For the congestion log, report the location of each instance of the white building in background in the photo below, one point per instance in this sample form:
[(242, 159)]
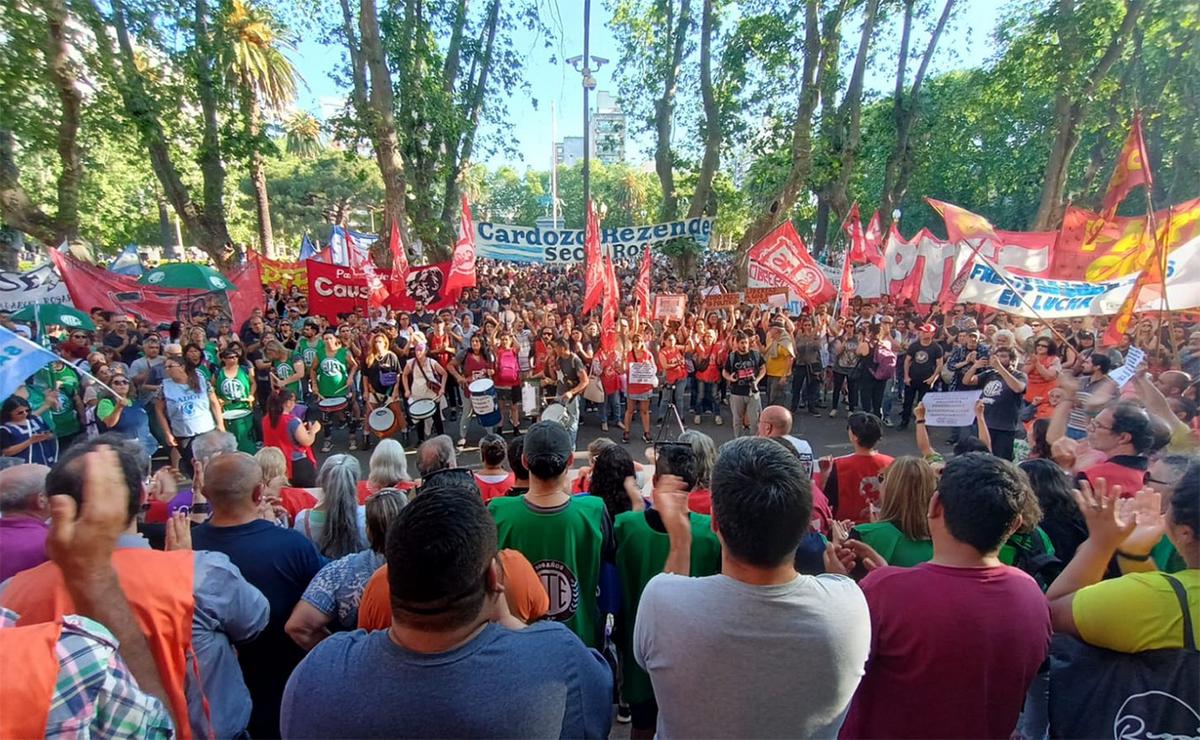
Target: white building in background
[(569, 151), (608, 129)]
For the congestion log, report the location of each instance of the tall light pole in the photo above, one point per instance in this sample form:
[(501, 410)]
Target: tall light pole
[(582, 64)]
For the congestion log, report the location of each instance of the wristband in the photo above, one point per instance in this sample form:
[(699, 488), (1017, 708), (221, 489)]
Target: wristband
[(920, 421), (1134, 558)]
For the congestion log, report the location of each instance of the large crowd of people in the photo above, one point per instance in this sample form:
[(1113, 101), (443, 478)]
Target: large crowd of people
[(270, 584)]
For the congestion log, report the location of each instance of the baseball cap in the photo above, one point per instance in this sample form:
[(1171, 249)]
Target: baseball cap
[(927, 327), (548, 439)]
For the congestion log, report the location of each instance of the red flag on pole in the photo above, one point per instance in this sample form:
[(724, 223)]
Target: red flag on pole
[(642, 290), (962, 226), (612, 304), (872, 240), (1132, 169), (1152, 276), (377, 292), (846, 289), (399, 277), (462, 267), (593, 286)]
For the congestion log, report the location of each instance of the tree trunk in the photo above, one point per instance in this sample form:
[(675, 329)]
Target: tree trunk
[(206, 224), (849, 124), (664, 109), (212, 170), (17, 208), (899, 164), (801, 150), (459, 156), (821, 227), (1068, 112), (381, 116), (258, 177), (712, 119)]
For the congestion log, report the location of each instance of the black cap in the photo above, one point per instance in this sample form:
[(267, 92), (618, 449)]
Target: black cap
[(548, 439)]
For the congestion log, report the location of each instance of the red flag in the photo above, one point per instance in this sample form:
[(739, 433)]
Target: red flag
[(962, 226), (1132, 169), (462, 269), (612, 303), (780, 259), (377, 292), (641, 291), (593, 285), (399, 276), (846, 289), (873, 242)]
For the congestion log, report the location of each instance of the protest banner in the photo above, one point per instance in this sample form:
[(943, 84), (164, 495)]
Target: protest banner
[(780, 259), (39, 285), (1093, 248), (722, 300), (566, 246), (333, 289), (950, 408), (91, 286), (280, 274), (670, 306), (762, 296), (1134, 356), (247, 278), (1052, 299)]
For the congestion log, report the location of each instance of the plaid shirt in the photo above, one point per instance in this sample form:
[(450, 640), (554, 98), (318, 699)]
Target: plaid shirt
[(95, 694)]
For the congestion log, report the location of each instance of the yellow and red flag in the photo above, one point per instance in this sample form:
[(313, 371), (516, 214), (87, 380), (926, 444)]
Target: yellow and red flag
[(1132, 170), (1153, 276)]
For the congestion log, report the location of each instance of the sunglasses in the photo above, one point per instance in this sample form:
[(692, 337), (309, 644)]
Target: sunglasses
[(79, 336), (120, 381)]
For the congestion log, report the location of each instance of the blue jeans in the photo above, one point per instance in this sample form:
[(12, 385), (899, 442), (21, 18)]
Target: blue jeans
[(611, 411), (705, 401)]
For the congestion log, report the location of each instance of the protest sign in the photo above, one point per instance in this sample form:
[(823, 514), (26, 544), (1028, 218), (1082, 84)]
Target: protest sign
[(1050, 299), (722, 300), (670, 306), (643, 373), (950, 408), (1123, 374), (39, 285), (565, 246), (333, 289), (762, 296), (278, 273)]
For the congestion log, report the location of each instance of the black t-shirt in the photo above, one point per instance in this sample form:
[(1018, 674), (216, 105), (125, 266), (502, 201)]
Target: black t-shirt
[(743, 368), (924, 360), (385, 363), (132, 351), (1002, 407)]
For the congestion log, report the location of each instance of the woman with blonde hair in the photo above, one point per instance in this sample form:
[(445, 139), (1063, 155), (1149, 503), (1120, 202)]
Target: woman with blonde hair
[(388, 468), (900, 532)]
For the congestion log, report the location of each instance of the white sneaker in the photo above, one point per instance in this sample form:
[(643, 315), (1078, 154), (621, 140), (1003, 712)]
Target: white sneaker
[(832, 413), (719, 420), (696, 419)]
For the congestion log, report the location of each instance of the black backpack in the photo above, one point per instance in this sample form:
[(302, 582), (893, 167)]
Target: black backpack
[(1033, 558), (1098, 693)]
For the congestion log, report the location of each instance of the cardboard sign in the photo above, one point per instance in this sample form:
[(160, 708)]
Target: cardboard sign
[(670, 307), (763, 296), (951, 408), (722, 300)]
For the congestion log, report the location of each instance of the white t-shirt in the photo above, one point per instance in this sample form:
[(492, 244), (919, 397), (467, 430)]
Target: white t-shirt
[(733, 660), (805, 451)]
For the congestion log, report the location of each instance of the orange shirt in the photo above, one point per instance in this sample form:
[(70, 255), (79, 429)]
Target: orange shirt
[(527, 597)]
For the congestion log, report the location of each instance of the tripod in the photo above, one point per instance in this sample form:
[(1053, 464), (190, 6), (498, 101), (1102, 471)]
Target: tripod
[(662, 425)]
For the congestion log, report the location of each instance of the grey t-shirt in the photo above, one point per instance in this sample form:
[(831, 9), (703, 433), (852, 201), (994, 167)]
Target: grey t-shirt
[(537, 682), (728, 659)]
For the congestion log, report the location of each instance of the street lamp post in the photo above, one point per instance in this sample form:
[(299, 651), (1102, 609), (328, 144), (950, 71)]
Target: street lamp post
[(583, 64)]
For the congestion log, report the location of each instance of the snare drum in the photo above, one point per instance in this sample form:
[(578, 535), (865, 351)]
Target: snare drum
[(422, 409), (556, 412), (385, 421), (483, 402), (333, 404), (233, 414), (530, 394)]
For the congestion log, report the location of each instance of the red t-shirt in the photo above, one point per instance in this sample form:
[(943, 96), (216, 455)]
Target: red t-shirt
[(953, 651), (858, 484), (672, 356), (700, 501), (490, 491), (644, 357), (365, 489)]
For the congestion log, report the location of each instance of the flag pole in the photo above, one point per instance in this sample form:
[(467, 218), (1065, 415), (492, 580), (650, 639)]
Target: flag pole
[(1160, 254), (1004, 276)]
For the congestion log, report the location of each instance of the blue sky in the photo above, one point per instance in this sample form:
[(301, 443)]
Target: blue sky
[(966, 43)]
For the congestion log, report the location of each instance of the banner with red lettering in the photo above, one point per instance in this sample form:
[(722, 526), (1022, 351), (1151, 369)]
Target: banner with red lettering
[(333, 289), (91, 286), (780, 259)]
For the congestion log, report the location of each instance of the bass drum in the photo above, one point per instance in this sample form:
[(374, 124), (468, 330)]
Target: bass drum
[(385, 421)]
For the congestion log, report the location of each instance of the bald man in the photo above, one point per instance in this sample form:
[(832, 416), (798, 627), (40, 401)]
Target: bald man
[(24, 510), (776, 421), (279, 562)]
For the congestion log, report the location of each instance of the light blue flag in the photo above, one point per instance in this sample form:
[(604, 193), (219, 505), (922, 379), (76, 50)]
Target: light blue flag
[(308, 250), (127, 262), (19, 358)]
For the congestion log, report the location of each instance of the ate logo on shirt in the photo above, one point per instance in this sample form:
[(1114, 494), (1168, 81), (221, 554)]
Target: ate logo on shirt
[(993, 388), (921, 357), (331, 367), (561, 585), (232, 389)]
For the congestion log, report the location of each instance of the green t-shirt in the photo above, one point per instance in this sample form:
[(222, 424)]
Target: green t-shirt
[(565, 546), (895, 547), (286, 369), (234, 392), (1167, 558), (642, 550), (65, 421), (333, 373), (308, 352)]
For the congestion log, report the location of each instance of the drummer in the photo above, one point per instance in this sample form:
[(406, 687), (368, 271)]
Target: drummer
[(287, 369), (330, 377), (425, 380), (381, 375), (236, 394), (478, 363)]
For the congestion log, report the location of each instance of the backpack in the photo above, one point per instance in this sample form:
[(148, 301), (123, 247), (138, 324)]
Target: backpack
[(508, 370), (1032, 557), (885, 363), (1096, 692)]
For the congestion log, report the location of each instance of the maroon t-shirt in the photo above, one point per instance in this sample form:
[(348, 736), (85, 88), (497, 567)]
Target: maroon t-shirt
[(953, 651)]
